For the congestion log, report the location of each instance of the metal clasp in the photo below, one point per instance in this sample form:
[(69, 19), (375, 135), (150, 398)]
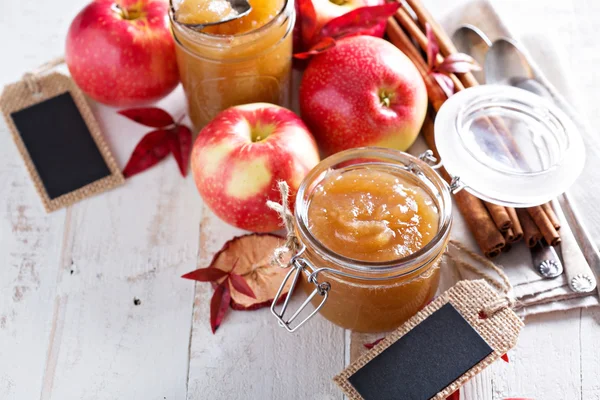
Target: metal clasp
[(298, 266), (455, 184), (428, 158)]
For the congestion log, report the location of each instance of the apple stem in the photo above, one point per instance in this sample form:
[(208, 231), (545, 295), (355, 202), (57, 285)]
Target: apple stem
[(127, 14), (385, 98), (120, 10)]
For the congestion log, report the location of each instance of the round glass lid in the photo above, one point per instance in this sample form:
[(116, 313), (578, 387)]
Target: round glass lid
[(508, 146)]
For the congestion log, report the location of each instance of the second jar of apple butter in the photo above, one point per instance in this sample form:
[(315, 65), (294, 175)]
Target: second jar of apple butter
[(247, 60)]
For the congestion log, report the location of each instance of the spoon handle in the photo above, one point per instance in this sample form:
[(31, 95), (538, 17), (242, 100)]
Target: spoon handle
[(580, 277), (589, 248), (546, 262)]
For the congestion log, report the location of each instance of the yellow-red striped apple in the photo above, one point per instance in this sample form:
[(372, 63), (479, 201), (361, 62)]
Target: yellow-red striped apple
[(363, 92), (239, 157)]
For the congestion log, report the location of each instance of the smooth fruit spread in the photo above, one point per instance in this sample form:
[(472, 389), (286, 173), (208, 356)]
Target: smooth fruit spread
[(204, 11), (371, 215)]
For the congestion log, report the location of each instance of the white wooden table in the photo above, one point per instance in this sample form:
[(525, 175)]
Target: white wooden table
[(69, 328)]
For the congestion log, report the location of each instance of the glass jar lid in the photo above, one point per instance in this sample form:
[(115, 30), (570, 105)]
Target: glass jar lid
[(508, 146)]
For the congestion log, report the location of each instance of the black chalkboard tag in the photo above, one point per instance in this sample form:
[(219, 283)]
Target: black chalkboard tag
[(436, 351), (59, 139)]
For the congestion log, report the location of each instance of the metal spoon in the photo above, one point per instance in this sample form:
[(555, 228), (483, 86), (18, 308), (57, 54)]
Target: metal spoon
[(241, 8), (507, 64), (472, 41)]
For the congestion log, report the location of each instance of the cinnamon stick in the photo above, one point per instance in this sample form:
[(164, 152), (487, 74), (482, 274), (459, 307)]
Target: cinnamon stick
[(547, 207), (500, 216), (531, 233), (397, 37), (516, 224), (544, 225), (444, 41), (509, 236), (408, 23)]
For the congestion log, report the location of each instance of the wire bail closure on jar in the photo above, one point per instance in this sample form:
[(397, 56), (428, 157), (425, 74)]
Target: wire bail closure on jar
[(299, 265), (455, 183)]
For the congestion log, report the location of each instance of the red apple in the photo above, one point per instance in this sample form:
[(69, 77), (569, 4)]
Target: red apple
[(326, 10), (239, 157), (363, 92), (122, 53)]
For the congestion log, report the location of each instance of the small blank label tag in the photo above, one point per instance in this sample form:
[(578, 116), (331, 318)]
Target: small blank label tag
[(59, 140), (437, 350)]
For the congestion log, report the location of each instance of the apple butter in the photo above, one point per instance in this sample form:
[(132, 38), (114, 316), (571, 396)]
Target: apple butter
[(374, 224), (371, 215), (246, 60)]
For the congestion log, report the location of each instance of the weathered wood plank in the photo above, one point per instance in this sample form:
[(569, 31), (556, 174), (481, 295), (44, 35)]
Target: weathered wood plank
[(250, 357), (30, 244), (131, 243)]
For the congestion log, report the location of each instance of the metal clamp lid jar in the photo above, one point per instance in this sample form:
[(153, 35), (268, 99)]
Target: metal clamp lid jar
[(504, 145), (362, 295)]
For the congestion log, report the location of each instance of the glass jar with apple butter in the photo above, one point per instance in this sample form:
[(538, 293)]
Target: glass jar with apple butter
[(246, 60), (374, 224)]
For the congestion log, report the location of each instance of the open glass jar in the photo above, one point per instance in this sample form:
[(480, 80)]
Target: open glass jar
[(370, 296), (218, 71), (519, 140)]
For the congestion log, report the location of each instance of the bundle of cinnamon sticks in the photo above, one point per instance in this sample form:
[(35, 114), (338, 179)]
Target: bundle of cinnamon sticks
[(494, 227)]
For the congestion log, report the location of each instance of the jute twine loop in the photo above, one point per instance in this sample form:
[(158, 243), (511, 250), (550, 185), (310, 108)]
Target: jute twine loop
[(31, 78), (507, 300), (292, 244)]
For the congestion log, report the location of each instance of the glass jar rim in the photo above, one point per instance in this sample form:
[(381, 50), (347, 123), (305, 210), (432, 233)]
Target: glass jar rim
[(263, 28), (401, 266)]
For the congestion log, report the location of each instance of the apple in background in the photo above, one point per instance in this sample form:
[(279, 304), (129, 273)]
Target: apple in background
[(239, 157), (326, 10), (363, 92), (122, 53)]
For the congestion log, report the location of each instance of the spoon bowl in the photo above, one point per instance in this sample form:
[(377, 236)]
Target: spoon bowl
[(506, 64), (240, 8), (472, 41)]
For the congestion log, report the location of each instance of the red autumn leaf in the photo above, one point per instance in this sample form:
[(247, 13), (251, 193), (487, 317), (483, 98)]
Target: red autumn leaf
[(149, 116), (445, 83), (180, 143), (219, 303), (433, 48), (150, 150), (458, 63), (205, 275), (454, 396), (505, 357), (308, 20), (240, 284), (375, 343), (358, 20), (323, 45)]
